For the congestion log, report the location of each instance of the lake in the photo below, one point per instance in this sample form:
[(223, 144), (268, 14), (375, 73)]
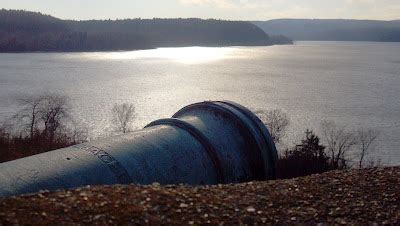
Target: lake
[(355, 84)]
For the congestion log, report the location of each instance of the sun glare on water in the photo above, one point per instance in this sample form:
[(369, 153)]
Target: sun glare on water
[(184, 55)]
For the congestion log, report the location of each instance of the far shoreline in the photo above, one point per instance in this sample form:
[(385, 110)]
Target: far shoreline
[(294, 42), (131, 50)]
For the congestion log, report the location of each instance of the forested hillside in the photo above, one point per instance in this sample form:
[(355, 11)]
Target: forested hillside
[(24, 21), (179, 32), (334, 30), (23, 31)]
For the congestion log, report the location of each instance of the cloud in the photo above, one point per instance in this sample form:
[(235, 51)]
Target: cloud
[(215, 3), (224, 4), (270, 9), (360, 1)]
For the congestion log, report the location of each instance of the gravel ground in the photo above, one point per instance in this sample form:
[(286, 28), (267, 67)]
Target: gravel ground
[(353, 196)]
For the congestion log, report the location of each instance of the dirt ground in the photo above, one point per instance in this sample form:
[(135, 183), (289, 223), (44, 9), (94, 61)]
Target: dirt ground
[(366, 196)]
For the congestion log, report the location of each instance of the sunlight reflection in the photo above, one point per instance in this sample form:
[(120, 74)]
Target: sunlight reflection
[(185, 55)]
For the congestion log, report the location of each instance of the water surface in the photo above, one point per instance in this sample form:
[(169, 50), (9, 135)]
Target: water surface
[(353, 83)]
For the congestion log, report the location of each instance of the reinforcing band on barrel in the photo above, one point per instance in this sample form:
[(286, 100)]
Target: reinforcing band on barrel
[(268, 143), (120, 172), (193, 131), (254, 152)]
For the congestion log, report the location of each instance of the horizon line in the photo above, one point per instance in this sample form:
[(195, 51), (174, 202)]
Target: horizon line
[(203, 18)]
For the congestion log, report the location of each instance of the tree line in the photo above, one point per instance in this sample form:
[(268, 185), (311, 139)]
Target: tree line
[(341, 148), (334, 29), (24, 31), (44, 122)]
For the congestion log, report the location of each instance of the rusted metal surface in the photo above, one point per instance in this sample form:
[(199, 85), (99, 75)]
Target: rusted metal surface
[(203, 143)]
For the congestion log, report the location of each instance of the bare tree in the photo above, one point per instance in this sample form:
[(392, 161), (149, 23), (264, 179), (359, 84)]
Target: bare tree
[(365, 138), (122, 116), (339, 142), (46, 125), (4, 135), (54, 110), (45, 113), (79, 134), (29, 113), (276, 121)]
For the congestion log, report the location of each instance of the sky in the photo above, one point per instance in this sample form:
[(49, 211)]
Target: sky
[(219, 9)]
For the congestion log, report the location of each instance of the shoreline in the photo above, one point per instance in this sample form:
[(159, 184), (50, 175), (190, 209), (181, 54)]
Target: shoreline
[(160, 47)]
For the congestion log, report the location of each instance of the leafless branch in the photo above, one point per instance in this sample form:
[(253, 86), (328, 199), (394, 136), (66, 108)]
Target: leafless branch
[(122, 116), (276, 121)]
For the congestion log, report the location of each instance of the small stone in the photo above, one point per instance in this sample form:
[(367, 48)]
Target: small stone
[(250, 209), (97, 216), (183, 205)]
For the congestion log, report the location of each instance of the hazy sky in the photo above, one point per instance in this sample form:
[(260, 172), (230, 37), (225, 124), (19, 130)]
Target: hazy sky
[(223, 9)]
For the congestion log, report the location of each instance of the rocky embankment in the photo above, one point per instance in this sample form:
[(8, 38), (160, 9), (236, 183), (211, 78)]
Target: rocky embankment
[(371, 195)]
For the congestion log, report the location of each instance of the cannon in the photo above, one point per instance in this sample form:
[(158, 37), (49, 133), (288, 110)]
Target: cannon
[(202, 144)]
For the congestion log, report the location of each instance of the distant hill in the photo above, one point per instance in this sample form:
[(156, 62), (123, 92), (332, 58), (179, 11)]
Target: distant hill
[(179, 32), (15, 21), (24, 31), (333, 30)]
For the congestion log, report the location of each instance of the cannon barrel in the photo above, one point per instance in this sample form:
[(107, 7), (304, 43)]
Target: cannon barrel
[(203, 143)]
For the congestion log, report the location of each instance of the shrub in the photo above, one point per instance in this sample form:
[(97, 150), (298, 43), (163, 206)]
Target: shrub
[(306, 158)]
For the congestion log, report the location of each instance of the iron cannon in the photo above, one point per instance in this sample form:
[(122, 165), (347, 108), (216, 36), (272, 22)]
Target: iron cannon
[(203, 143)]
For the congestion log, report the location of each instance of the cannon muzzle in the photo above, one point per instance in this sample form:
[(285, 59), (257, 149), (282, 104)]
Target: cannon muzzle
[(203, 143)]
